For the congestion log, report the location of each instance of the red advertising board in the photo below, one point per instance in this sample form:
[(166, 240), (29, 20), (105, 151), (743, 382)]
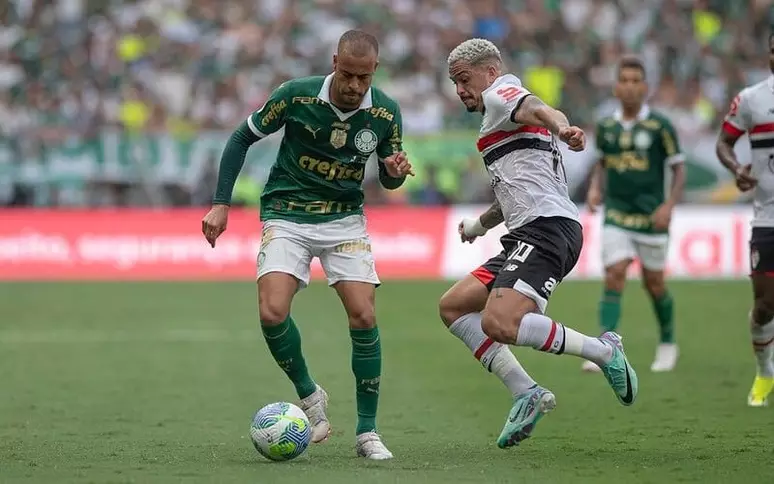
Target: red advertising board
[(167, 244), (128, 244)]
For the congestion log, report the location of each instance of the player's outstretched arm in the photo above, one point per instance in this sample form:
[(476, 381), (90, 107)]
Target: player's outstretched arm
[(534, 112), (231, 162), (470, 228), (267, 120)]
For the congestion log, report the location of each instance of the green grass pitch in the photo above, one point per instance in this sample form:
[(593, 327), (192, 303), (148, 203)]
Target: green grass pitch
[(157, 382)]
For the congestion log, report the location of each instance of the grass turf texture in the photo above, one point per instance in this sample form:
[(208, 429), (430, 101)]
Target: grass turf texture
[(157, 382)]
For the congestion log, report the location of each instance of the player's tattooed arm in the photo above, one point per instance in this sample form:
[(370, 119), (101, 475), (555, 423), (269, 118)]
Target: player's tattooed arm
[(534, 112), (492, 217), (470, 228), (530, 110)]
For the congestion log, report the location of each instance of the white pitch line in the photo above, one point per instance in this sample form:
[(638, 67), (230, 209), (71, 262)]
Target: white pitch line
[(79, 336)]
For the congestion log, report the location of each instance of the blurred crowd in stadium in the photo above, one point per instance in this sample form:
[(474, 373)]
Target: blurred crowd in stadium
[(72, 69)]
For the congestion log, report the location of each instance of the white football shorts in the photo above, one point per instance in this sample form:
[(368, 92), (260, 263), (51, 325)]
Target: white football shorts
[(620, 244), (342, 245)]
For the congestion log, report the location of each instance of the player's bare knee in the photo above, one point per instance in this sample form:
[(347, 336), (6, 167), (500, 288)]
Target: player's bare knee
[(615, 277), (501, 328), (654, 285), (275, 295), (362, 318), (272, 308), (272, 314), (449, 310), (489, 325)]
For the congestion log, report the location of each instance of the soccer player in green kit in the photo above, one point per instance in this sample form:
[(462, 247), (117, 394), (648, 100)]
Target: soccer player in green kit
[(312, 206), (637, 148)]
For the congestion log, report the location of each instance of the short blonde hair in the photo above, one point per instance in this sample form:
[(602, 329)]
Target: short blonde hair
[(474, 52)]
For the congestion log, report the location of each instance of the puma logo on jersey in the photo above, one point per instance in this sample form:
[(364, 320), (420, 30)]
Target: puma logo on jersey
[(312, 130)]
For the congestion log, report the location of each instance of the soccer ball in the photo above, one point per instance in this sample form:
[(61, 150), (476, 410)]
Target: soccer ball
[(280, 431)]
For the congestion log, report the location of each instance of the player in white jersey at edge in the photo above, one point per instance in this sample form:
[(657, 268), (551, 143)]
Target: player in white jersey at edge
[(752, 112), (503, 302)]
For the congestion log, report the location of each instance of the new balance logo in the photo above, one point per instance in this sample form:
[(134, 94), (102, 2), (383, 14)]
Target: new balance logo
[(510, 267)]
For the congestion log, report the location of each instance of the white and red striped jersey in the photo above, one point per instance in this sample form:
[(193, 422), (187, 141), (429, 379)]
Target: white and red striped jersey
[(524, 162), (752, 112)]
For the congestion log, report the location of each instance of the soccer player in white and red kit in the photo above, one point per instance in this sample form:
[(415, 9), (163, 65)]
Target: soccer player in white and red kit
[(503, 302), (752, 112)]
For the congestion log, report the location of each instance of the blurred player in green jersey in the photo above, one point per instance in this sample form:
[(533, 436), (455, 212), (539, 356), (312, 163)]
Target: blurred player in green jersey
[(638, 151)]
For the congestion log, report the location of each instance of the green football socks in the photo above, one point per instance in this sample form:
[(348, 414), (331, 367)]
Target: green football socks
[(284, 342), (610, 310), (610, 314), (664, 308), (367, 368)]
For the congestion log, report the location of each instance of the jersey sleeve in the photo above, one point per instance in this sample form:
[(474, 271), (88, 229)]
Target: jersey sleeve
[(738, 119), (501, 103), (271, 117), (393, 142), (671, 144)]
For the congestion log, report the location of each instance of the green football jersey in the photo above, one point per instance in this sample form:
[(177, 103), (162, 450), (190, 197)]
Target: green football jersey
[(319, 170), (636, 157)]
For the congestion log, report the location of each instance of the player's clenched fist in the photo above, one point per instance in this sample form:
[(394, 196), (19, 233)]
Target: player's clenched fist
[(398, 166), (574, 137), (745, 181), (469, 229), (214, 223)]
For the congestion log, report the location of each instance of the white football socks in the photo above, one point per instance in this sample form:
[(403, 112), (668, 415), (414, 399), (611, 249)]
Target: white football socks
[(545, 334), (494, 356), (510, 372), (763, 345)]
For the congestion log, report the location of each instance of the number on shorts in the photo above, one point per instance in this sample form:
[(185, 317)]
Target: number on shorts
[(521, 251)]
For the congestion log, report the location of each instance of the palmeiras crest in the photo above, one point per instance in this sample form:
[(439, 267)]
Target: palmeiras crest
[(338, 138)]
